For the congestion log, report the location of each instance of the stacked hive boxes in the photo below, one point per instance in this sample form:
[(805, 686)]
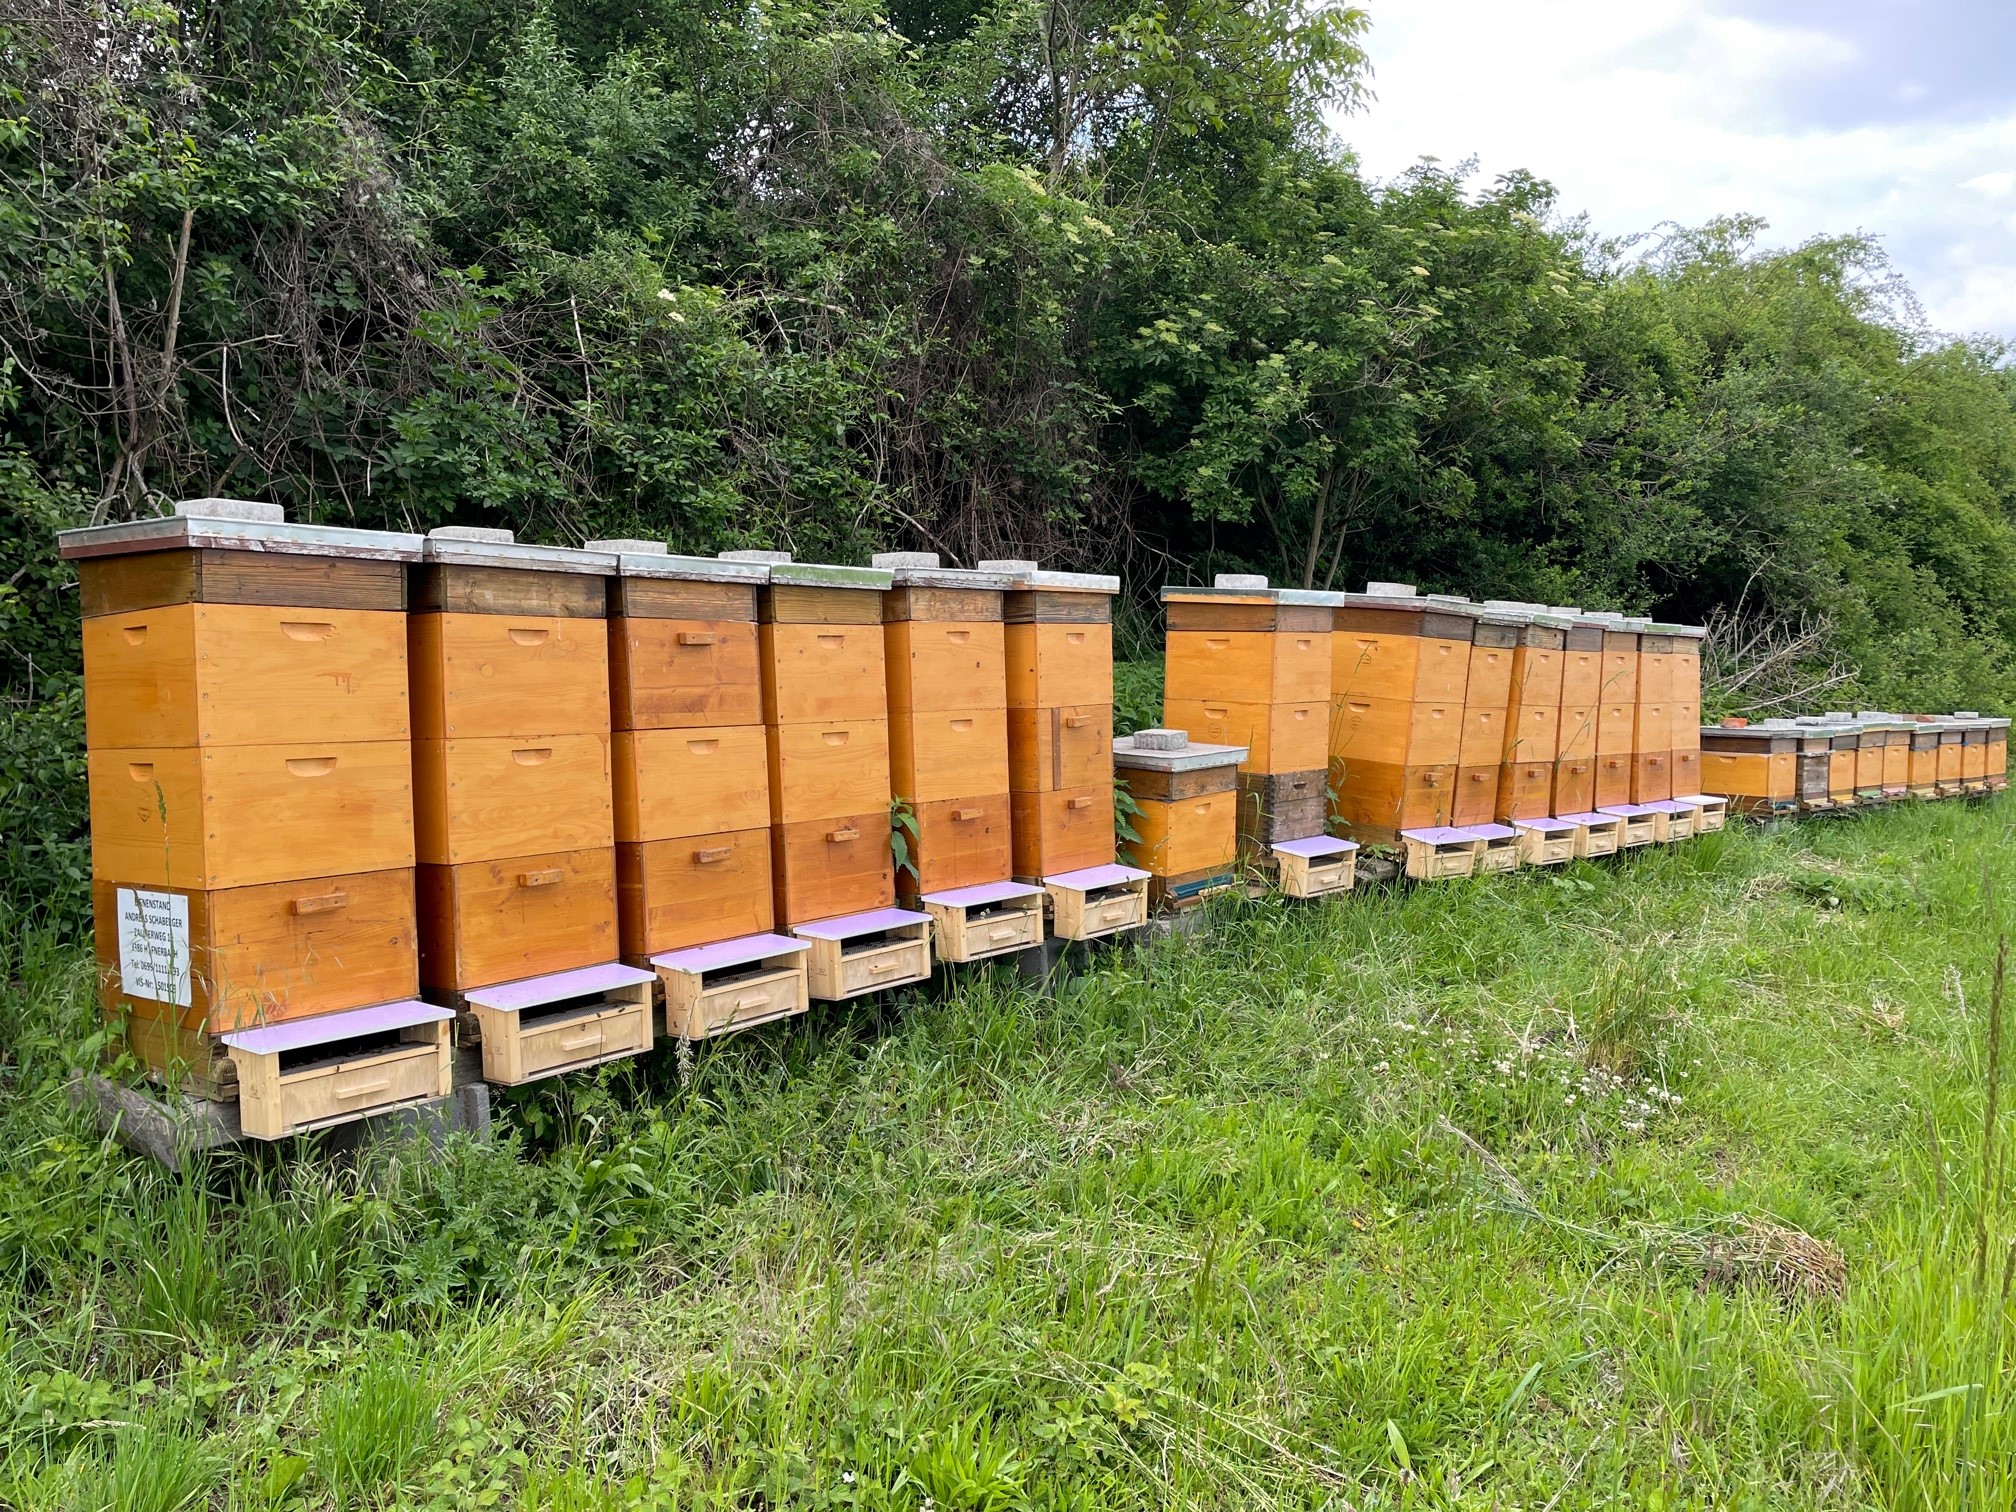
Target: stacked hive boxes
[(1581, 708), (252, 808), (1399, 668), (1998, 753), (1186, 825), (1684, 709), (1652, 737), (509, 653), (691, 765), (826, 717), (1489, 735), (1249, 665), (1532, 727), (944, 647), (1617, 710), (1059, 650), (1924, 770)]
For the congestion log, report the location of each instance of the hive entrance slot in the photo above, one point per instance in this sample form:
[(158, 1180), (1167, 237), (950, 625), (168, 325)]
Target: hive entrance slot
[(337, 1052)]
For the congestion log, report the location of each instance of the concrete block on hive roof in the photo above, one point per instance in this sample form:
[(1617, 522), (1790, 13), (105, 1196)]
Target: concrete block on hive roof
[(1241, 582), (895, 560), (1189, 756), (1160, 740), (1390, 590), (630, 546), (768, 558), (1028, 575)]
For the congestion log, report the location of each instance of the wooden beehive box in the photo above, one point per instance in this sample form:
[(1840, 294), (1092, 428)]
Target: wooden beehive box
[(1492, 721), (1896, 733), (316, 1072), (1524, 778), (1097, 901), (1545, 840), (1710, 813), (1058, 645), (1499, 849), (866, 952), (1440, 851), (1998, 753), (1186, 823), (1684, 706), (1315, 867), (826, 713), (1400, 665), (1815, 761), (944, 644), (1617, 711), (1952, 742), (733, 984), (989, 919), (508, 648), (1924, 780), (567, 1021), (1642, 824), (1672, 819), (1871, 742), (1596, 834), (250, 774), (1974, 751), (1574, 783), (689, 756), (1755, 766)]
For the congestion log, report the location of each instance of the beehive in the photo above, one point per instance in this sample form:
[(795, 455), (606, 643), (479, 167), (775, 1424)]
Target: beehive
[(1186, 821), (944, 648), (1952, 757), (1815, 756), (1844, 743), (1581, 704), (1652, 726), (508, 646), (1617, 710), (689, 756), (1755, 767), (1998, 753), (1537, 738), (1684, 709), (1399, 668), (1871, 739), (826, 734), (1924, 736), (1894, 773), (1262, 655), (1492, 728), (1058, 643), (250, 769), (1974, 766)]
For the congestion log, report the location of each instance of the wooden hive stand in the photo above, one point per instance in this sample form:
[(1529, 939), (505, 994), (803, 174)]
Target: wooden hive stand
[(311, 1073), (1546, 841), (733, 984), (1640, 824), (1596, 834), (1317, 867), (1440, 851), (1710, 813), (1186, 820), (1096, 901), (1499, 848), (866, 952), (251, 776), (568, 1021), (988, 919)]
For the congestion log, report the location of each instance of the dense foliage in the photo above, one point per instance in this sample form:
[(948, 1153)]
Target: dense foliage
[(1088, 279)]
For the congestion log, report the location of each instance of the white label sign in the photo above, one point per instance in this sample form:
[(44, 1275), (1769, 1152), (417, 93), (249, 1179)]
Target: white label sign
[(154, 945)]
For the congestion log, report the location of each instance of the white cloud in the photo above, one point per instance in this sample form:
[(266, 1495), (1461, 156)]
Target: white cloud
[(1663, 112)]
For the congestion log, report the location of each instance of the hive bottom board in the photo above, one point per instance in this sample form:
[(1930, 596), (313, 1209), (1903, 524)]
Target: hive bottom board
[(960, 842), (1188, 889), (485, 922), (1061, 831), (254, 955), (1375, 800), (674, 894), (823, 868)]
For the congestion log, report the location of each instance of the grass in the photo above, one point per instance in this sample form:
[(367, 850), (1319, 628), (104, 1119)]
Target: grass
[(1665, 1183)]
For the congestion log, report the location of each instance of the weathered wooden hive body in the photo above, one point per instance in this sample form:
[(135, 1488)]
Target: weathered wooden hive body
[(1488, 729), (1537, 733), (689, 753), (1684, 709), (509, 659), (1755, 766), (1059, 649), (1814, 767), (1893, 765), (1246, 658), (1998, 753), (250, 770), (1400, 665), (1187, 824), (1924, 770), (945, 647), (1617, 709), (1574, 782)]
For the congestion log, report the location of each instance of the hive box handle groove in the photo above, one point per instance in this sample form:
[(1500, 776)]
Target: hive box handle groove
[(311, 766), (307, 630)]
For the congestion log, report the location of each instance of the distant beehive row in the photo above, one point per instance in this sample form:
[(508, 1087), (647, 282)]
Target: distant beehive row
[(1841, 760), (350, 788)]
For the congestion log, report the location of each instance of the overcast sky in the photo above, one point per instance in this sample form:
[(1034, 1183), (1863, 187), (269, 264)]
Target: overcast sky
[(1892, 117)]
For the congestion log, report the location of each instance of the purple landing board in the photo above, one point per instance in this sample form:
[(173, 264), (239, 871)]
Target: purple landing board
[(304, 1034), (982, 893), (1547, 826), (847, 926), (1315, 847), (726, 953), (535, 992), (1440, 835), (1109, 875)]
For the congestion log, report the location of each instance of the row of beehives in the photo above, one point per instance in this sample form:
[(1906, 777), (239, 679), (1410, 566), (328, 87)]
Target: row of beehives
[(1392, 717), (331, 769), (1840, 760)]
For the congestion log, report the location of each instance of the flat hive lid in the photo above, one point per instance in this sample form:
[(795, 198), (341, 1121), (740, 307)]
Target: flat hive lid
[(1316, 847), (1590, 816), (1440, 834), (647, 559), (726, 953), (1493, 831), (826, 575), (846, 926), (534, 992), (235, 525), (1029, 576), (1088, 877), (475, 546), (1546, 824), (1669, 806), (325, 1028), (1626, 810), (982, 893), (922, 569), (1191, 756)]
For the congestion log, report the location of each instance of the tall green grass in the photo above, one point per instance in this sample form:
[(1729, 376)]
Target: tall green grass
[(1663, 1183)]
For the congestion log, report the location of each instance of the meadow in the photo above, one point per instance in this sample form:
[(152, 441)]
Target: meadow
[(1674, 1181)]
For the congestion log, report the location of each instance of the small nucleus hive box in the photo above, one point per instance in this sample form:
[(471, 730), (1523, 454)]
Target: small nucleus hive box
[(1185, 821)]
